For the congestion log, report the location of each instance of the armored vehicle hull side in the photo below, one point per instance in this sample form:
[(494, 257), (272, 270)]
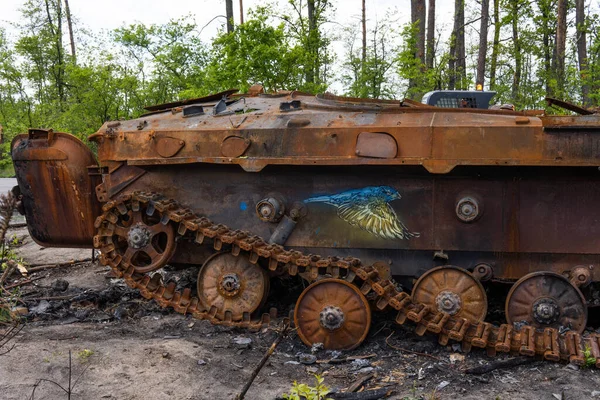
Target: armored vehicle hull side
[(360, 198)]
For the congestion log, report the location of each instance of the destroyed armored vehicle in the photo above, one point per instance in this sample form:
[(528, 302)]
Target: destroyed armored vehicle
[(378, 205)]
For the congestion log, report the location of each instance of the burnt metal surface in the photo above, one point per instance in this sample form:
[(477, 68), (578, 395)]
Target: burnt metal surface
[(568, 106), (234, 146), (232, 285), (545, 299), (452, 290), (348, 280), (168, 146), (118, 178), (491, 199), (376, 145), (212, 97), (378, 188), (141, 239), (333, 312), (325, 131), (57, 191)]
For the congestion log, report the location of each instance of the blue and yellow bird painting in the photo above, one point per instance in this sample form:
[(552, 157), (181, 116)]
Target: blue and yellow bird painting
[(369, 209)]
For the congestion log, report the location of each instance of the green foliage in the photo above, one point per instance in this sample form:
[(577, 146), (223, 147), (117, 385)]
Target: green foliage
[(373, 77), (115, 76), (592, 75), (311, 42), (302, 391), (588, 358), (255, 52), (84, 355), (5, 314), (15, 108), (410, 68), (9, 298), (176, 53)]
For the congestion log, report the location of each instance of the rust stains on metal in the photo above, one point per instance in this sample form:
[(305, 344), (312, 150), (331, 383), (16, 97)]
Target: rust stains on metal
[(568, 106), (168, 146), (57, 192), (376, 144), (333, 312), (439, 139), (507, 197), (234, 146)]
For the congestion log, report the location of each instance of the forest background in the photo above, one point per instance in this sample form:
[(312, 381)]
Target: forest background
[(56, 73)]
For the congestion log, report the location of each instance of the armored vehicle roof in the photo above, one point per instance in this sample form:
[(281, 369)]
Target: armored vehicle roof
[(294, 128)]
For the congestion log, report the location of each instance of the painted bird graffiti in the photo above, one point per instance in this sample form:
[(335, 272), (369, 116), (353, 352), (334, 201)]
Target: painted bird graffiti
[(369, 209)]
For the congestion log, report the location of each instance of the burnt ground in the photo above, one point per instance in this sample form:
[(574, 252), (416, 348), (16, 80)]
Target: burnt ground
[(125, 347)]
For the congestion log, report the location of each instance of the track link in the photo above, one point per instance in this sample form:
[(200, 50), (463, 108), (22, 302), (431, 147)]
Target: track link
[(549, 343)]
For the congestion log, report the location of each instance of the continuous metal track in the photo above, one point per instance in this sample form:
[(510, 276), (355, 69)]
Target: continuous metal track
[(549, 343)]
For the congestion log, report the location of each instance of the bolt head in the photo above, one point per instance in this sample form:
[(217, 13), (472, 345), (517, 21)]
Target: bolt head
[(546, 310), (467, 209), (448, 302), (229, 285), (138, 236), (331, 318), (266, 211)]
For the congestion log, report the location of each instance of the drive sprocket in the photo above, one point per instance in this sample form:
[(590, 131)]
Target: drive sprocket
[(141, 240)]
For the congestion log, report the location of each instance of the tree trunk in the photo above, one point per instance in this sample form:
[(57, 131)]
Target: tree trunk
[(364, 35), (496, 45), (430, 56), (70, 26), (241, 11), (56, 31), (461, 59), (483, 33), (561, 41), (452, 63), (229, 15), (417, 17), (546, 10), (514, 10), (312, 18), (312, 26), (457, 63), (582, 51), (417, 14), (60, 81)]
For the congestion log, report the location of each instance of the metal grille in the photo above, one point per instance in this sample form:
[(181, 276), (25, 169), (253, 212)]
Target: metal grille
[(465, 102)]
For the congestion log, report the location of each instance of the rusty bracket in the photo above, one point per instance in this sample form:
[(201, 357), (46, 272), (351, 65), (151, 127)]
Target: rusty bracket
[(41, 134)]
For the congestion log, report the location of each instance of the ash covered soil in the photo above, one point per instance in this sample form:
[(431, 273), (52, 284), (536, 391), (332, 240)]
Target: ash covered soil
[(125, 347)]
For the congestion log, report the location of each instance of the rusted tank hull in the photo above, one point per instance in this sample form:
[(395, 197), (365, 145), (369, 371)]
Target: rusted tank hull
[(529, 219), (345, 194)]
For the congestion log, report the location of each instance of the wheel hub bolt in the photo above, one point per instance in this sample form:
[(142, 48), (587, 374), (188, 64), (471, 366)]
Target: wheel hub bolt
[(229, 285), (467, 209), (138, 236), (448, 302), (331, 318), (270, 209), (546, 311)]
